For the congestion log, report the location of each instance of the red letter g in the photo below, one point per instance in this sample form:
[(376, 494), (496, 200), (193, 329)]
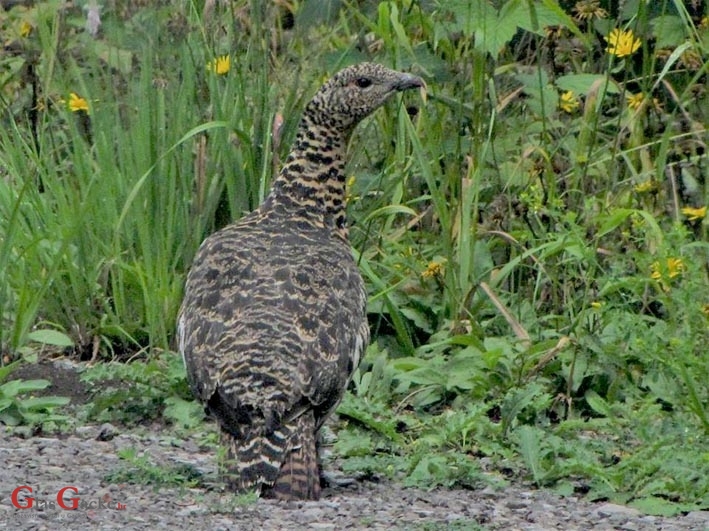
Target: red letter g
[(74, 501), (29, 500)]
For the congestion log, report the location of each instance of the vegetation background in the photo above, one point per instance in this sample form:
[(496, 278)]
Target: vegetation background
[(533, 236)]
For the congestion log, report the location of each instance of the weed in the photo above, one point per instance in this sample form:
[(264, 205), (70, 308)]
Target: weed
[(139, 469), (141, 392), (36, 411)]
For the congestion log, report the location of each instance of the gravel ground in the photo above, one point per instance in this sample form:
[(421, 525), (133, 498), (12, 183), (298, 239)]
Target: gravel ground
[(89, 460), (85, 458)]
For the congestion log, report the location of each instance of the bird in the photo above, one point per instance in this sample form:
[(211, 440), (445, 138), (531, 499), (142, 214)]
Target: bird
[(273, 320)]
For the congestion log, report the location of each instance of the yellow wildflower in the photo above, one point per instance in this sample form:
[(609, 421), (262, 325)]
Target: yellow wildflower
[(77, 103), (596, 305), (434, 269), (646, 186), (635, 100), (588, 9), (675, 266), (568, 101), (655, 273), (25, 29), (664, 272), (695, 214), (622, 42), (221, 65)]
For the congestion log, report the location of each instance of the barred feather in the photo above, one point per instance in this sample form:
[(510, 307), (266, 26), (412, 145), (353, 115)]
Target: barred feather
[(273, 321)]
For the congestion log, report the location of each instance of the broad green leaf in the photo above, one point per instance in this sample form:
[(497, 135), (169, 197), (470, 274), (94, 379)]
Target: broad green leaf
[(581, 84), (8, 369), (598, 404), (530, 449), (614, 220), (16, 387), (656, 506), (669, 31), (51, 337), (44, 402)]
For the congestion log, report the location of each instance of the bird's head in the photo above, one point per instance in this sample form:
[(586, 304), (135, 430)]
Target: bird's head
[(355, 92)]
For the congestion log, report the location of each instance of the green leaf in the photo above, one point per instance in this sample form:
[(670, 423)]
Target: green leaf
[(44, 402), (669, 30), (16, 387), (8, 369), (187, 414), (583, 83), (516, 400), (530, 448), (598, 404), (5, 403), (11, 416), (656, 506), (614, 220), (51, 337)]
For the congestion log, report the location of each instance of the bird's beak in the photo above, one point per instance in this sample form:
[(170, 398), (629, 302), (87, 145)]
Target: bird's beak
[(409, 81)]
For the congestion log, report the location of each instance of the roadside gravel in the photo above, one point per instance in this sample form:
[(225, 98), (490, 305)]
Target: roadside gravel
[(86, 458)]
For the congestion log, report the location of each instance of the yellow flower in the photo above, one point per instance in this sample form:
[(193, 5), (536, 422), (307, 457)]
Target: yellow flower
[(77, 103), (25, 29), (568, 101), (588, 9), (646, 186), (675, 266), (664, 272), (635, 100), (655, 273), (622, 42), (434, 269), (221, 65), (596, 305), (695, 214)]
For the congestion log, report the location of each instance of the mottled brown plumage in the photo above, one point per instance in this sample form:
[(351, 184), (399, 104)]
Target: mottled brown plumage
[(273, 321)]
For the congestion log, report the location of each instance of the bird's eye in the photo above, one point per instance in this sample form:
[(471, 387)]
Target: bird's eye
[(363, 82)]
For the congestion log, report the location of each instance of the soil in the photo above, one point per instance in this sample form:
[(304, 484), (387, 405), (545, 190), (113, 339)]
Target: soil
[(88, 461)]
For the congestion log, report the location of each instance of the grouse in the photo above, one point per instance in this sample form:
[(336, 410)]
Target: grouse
[(273, 320)]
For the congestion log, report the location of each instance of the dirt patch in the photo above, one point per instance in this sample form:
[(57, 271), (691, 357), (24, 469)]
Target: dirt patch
[(64, 377)]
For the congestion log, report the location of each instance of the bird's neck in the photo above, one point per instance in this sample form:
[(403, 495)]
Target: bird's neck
[(311, 185)]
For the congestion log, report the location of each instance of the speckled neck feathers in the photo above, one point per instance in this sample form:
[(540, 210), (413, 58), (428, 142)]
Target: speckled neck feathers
[(311, 184)]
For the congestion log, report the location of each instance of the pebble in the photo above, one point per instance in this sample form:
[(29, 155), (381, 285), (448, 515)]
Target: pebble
[(613, 510), (106, 432)]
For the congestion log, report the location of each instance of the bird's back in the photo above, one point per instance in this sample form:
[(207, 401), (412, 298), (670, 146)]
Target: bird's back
[(272, 326)]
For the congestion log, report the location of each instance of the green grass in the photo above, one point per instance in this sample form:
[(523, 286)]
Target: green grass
[(532, 236)]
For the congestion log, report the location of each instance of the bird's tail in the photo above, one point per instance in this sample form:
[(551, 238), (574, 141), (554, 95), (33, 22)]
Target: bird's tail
[(282, 464), (299, 477)]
